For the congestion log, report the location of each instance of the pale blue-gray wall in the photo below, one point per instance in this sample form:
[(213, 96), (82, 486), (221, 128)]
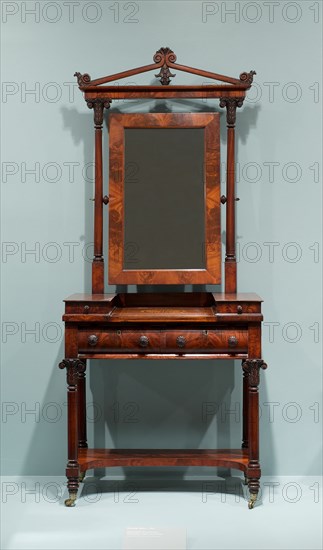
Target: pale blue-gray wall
[(50, 131)]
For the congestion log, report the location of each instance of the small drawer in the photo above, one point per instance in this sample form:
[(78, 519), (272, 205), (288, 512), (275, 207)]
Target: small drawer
[(89, 307), (119, 341), (207, 341), (238, 307)]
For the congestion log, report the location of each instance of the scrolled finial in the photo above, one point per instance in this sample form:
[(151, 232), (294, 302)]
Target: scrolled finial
[(165, 55), (83, 79), (247, 78)]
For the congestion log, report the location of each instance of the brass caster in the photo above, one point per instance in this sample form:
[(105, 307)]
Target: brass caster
[(70, 502), (253, 498), (81, 477)]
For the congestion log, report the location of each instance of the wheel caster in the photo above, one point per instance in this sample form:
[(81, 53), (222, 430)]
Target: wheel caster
[(252, 500), (70, 502), (81, 477)]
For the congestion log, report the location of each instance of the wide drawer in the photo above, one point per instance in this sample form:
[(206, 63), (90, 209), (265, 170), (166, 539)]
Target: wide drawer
[(163, 341)]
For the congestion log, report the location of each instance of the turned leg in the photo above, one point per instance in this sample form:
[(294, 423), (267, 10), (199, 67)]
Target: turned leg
[(251, 367), (73, 368), (245, 411), (81, 407), (245, 393)]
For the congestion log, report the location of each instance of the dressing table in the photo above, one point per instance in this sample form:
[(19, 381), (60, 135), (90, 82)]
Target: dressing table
[(164, 204)]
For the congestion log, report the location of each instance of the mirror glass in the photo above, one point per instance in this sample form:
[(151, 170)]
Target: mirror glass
[(164, 198)]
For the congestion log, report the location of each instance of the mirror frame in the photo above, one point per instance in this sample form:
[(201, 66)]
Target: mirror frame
[(210, 122)]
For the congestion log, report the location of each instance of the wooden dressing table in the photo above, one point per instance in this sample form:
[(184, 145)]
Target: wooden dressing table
[(163, 325)]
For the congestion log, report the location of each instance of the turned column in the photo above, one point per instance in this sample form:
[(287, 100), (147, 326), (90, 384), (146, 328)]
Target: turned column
[(231, 104), (245, 409), (98, 106), (251, 367), (73, 368), (81, 404)]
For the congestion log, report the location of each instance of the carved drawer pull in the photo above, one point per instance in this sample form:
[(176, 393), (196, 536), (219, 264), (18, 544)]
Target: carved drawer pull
[(239, 310), (181, 341), (92, 340), (232, 341), (143, 341)]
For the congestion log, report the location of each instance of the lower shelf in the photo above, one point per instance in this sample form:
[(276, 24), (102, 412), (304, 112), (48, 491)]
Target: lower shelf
[(99, 458)]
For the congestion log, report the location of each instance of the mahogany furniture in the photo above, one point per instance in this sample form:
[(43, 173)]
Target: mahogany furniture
[(163, 325)]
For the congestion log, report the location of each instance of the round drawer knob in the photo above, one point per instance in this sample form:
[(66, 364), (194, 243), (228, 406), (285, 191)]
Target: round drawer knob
[(143, 341), (232, 341), (181, 341), (92, 340)]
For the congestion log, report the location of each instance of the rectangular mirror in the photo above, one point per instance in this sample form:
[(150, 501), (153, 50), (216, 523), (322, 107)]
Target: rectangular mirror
[(164, 209)]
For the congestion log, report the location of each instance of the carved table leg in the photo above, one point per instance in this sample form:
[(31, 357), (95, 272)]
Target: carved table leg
[(73, 368), (81, 406), (245, 410), (252, 367)]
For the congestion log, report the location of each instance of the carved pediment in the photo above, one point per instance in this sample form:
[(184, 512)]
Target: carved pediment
[(165, 60)]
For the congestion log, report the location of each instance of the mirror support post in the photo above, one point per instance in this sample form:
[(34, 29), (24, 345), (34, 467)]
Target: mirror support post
[(231, 104), (98, 106)]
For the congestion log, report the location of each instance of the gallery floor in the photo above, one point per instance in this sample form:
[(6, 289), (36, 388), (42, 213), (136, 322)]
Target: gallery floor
[(161, 511)]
